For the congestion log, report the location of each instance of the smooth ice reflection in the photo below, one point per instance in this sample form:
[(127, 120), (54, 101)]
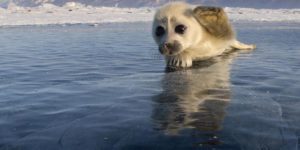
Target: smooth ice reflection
[(194, 98)]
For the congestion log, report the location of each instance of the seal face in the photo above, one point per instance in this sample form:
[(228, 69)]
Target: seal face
[(185, 34)]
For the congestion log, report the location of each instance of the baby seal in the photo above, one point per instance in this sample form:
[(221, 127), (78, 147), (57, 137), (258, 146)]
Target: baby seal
[(185, 34)]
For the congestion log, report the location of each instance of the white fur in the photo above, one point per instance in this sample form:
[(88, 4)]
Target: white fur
[(196, 43)]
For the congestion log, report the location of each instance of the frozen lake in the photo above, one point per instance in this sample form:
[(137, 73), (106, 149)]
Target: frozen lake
[(105, 87)]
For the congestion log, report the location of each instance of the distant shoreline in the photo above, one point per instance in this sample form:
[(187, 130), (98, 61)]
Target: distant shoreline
[(49, 14)]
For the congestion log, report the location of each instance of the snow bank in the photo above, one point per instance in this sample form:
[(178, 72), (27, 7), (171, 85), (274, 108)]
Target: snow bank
[(268, 15), (75, 13), (71, 13)]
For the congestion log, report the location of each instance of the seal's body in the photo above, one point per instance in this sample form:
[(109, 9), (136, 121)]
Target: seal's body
[(185, 34)]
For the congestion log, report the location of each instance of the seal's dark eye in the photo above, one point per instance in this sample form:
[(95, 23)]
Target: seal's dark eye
[(160, 31), (180, 29)]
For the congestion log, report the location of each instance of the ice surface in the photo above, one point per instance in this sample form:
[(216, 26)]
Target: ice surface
[(76, 13), (91, 88)]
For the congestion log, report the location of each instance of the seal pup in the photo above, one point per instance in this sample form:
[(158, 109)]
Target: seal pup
[(185, 33)]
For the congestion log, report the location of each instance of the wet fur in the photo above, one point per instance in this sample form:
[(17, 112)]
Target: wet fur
[(215, 21)]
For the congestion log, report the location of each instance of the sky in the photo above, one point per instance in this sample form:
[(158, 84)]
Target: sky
[(146, 3)]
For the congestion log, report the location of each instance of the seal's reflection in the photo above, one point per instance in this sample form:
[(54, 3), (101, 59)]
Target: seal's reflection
[(194, 98)]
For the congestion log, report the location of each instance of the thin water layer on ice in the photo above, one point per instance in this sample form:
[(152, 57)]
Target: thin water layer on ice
[(105, 87)]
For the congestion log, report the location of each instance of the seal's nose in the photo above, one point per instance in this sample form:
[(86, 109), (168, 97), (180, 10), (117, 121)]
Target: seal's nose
[(168, 46)]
